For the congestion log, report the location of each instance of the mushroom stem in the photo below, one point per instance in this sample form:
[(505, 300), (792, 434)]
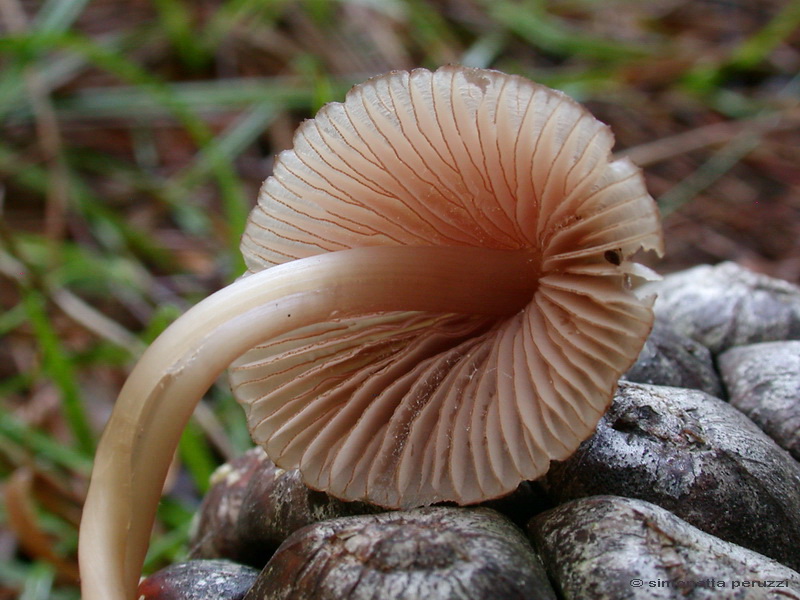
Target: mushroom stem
[(173, 374)]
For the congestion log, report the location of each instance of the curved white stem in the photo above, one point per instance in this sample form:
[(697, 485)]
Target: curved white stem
[(165, 386)]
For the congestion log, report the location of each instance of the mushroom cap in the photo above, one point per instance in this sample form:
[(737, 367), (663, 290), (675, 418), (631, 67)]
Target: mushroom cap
[(409, 408)]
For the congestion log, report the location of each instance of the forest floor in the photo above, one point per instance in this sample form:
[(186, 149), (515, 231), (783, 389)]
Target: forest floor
[(134, 135)]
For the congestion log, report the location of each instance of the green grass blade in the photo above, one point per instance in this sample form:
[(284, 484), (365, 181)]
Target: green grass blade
[(197, 456), (57, 15), (52, 70), (15, 573), (111, 229), (54, 17), (532, 21), (758, 46), (42, 446), (178, 23), (58, 366), (233, 197), (200, 97), (230, 144), (706, 78), (431, 31), (170, 546), (11, 319), (38, 582), (708, 173), (216, 158)]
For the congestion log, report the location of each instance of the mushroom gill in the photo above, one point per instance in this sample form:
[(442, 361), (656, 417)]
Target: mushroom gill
[(407, 408), (439, 302)]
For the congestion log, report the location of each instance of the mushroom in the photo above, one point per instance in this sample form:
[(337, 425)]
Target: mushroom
[(439, 302)]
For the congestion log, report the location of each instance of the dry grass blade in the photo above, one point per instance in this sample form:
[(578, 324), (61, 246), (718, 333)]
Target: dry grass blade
[(666, 148)]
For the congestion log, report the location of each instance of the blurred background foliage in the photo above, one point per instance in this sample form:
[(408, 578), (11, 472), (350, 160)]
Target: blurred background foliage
[(134, 135)]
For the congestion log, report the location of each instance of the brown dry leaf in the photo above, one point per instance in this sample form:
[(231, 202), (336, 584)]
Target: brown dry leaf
[(24, 522)]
